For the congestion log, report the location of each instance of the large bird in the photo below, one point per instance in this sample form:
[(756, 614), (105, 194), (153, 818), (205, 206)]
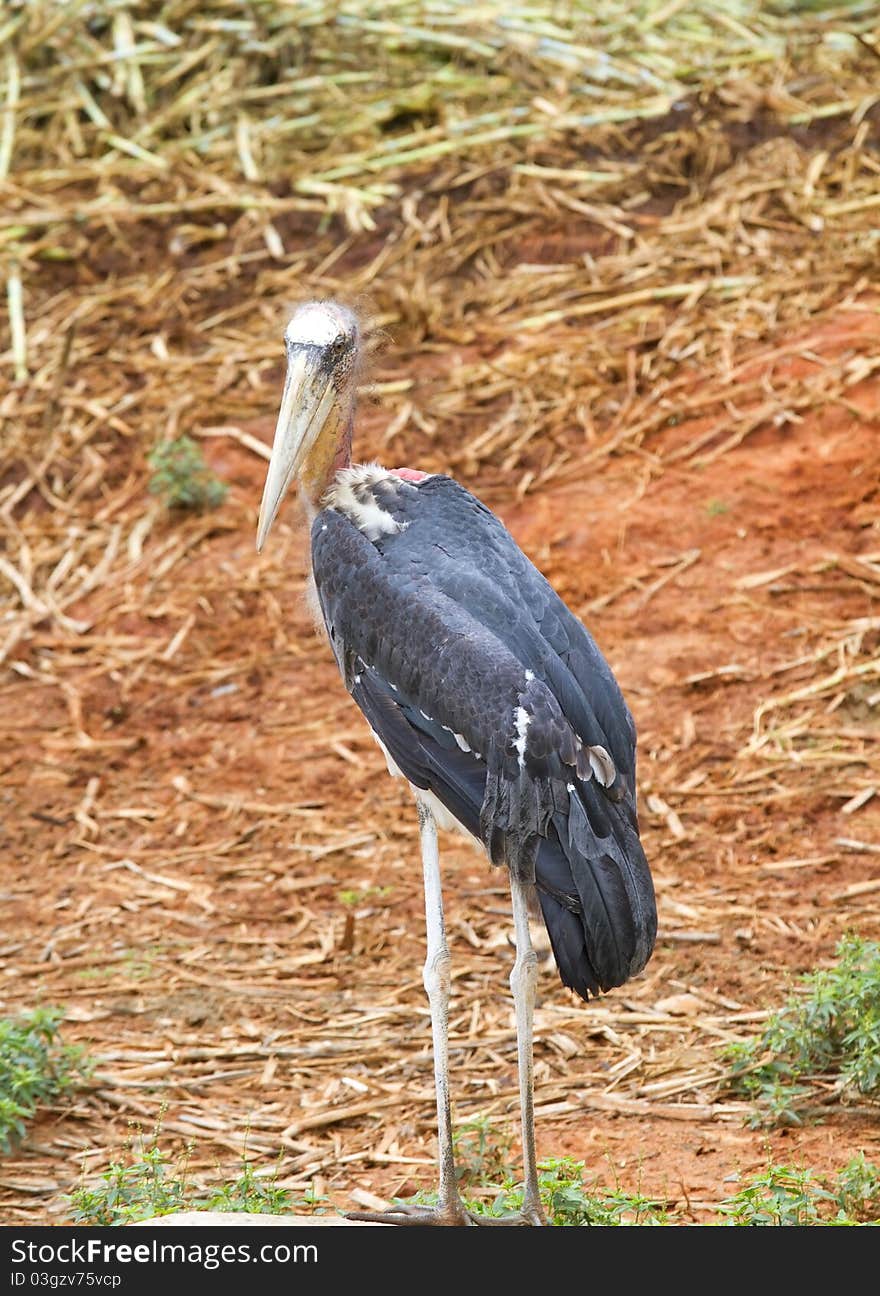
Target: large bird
[(485, 692)]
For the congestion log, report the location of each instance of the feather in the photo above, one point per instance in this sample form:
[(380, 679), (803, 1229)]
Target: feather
[(487, 693)]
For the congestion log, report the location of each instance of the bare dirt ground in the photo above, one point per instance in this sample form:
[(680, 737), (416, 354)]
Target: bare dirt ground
[(222, 885), (204, 860)]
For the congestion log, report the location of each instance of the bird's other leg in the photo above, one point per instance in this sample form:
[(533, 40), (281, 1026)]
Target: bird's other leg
[(523, 984), (436, 976), (437, 981)]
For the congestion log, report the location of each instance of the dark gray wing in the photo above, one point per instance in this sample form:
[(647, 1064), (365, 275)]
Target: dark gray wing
[(439, 633), (468, 553), (402, 643)]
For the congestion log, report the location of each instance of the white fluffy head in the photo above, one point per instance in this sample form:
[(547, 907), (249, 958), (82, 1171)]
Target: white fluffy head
[(321, 324)]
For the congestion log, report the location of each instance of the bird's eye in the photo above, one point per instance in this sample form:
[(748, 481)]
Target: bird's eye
[(337, 358), (340, 344)]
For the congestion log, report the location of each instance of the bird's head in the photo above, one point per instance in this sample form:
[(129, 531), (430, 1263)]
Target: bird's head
[(313, 434)]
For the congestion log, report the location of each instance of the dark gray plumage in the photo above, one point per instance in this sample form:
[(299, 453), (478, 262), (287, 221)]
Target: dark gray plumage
[(442, 626)]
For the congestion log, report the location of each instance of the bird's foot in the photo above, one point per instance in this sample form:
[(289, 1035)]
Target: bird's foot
[(452, 1215)]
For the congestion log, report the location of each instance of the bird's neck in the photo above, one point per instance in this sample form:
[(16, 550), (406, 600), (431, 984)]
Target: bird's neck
[(315, 484), (343, 454)]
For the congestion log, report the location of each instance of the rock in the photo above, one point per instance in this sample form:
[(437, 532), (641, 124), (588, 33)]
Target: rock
[(240, 1219)]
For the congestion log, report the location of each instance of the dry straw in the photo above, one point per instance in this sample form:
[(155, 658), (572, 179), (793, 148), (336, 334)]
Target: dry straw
[(572, 228)]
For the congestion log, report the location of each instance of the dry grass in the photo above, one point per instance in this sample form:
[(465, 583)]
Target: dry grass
[(585, 243)]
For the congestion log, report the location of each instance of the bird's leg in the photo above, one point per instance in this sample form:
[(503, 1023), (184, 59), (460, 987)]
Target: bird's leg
[(523, 984), (437, 983), (450, 1209)]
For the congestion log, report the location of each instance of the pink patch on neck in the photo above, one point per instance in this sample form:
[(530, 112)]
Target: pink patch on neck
[(409, 474)]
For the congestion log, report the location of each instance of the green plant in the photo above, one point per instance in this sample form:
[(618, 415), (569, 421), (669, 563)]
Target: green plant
[(252, 1192), (151, 1183), (564, 1197), (135, 1191), (782, 1195), (181, 476), (568, 1204), (858, 1190), (35, 1067), (778, 1195), (831, 1028), (481, 1152), (360, 895)]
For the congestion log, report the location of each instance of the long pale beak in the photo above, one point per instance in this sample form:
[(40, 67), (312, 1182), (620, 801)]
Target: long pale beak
[(308, 398)]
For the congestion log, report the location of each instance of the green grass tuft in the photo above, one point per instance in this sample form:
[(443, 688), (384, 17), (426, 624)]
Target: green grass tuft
[(831, 1028), (777, 1195), (566, 1201), (152, 1183), (568, 1204), (782, 1195), (181, 476), (35, 1067), (482, 1152)]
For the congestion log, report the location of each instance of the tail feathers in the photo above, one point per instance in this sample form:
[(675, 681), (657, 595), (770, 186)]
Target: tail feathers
[(566, 931), (596, 897), (515, 816)]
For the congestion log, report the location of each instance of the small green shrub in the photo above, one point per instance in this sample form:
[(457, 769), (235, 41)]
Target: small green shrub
[(252, 1192), (568, 1204), (481, 1152), (778, 1195), (181, 476), (564, 1197), (858, 1190), (35, 1067), (151, 1183), (782, 1195), (136, 1191), (830, 1029)]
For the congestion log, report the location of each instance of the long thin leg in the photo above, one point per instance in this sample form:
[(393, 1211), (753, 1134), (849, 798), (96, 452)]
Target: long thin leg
[(437, 981), (523, 984)]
